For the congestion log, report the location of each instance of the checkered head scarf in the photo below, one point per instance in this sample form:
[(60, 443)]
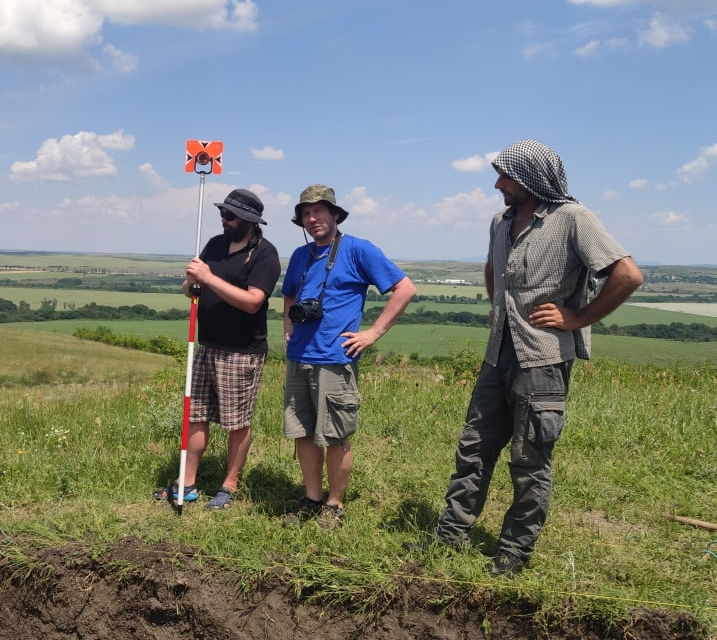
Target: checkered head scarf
[(537, 168)]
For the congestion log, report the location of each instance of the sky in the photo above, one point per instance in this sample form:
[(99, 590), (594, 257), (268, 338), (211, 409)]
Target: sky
[(399, 105)]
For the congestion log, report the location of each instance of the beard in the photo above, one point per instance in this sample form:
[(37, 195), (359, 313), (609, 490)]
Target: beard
[(240, 232)]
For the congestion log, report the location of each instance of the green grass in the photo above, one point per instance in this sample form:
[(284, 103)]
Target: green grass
[(427, 340), (47, 364), (79, 463)]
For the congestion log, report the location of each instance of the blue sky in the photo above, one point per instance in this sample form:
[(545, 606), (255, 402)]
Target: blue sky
[(398, 104)]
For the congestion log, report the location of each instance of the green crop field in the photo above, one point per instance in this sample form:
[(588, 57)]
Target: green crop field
[(121, 263), (425, 341), (71, 298)]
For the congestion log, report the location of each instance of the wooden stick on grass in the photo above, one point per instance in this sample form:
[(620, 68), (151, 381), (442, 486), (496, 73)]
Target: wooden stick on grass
[(711, 526)]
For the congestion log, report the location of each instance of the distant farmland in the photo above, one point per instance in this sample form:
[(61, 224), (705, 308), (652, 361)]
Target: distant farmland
[(693, 308)]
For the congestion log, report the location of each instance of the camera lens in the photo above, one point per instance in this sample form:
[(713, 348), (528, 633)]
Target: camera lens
[(296, 313)]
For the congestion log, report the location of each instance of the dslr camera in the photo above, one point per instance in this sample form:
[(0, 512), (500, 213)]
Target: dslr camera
[(306, 310)]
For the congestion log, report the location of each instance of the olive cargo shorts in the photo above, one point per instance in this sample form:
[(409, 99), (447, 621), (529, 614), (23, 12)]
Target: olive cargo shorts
[(321, 400)]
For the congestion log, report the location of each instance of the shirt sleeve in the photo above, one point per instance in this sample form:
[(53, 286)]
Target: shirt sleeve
[(297, 262), (265, 271), (595, 246), (377, 268)]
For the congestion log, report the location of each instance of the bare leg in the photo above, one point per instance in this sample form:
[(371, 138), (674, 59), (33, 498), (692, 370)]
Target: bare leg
[(237, 450), (311, 461), (339, 462), (197, 440)]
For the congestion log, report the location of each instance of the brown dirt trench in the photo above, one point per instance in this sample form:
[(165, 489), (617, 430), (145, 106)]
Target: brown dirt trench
[(137, 591)]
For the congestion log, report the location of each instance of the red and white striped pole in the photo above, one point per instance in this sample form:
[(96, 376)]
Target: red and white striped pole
[(199, 159)]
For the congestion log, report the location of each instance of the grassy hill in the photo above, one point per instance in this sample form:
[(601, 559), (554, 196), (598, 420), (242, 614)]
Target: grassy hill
[(83, 444)]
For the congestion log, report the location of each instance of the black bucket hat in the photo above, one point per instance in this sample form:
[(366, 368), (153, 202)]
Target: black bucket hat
[(245, 204)]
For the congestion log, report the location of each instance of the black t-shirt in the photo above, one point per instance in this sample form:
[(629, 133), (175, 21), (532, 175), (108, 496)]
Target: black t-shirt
[(222, 325)]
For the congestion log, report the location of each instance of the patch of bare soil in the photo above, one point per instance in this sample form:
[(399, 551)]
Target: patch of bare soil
[(158, 592)]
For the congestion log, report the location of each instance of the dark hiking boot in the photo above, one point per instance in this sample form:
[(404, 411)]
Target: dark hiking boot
[(307, 509)]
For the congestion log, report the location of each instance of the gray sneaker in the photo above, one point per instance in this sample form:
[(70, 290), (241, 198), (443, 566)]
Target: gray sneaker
[(307, 509), (331, 516)]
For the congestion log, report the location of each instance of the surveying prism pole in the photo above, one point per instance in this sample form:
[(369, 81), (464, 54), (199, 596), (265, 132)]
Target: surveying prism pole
[(202, 157)]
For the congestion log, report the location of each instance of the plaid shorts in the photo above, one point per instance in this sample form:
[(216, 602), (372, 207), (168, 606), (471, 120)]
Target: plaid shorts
[(225, 386)]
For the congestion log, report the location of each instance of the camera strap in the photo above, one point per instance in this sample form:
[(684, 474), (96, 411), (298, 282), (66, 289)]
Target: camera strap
[(329, 265)]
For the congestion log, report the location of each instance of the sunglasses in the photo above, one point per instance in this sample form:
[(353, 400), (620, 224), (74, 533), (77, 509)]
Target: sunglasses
[(228, 215)]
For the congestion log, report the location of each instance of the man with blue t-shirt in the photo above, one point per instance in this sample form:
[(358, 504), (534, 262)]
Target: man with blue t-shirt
[(324, 293)]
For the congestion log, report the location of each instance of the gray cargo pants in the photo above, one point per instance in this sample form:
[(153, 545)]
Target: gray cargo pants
[(527, 406)]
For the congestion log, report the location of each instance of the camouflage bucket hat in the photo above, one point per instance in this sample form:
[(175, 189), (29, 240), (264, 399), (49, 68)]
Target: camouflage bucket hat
[(317, 193)]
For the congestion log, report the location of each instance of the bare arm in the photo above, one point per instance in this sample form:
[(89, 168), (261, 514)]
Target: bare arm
[(288, 324), (624, 277), (489, 283), (490, 288), (401, 295), (248, 300)]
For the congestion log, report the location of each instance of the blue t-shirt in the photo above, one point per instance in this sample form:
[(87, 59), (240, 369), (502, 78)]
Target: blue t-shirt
[(359, 263)]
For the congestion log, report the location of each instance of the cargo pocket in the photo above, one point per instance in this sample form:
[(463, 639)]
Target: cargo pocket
[(546, 417), (343, 410)]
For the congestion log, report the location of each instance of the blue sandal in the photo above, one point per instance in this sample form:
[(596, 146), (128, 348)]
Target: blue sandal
[(190, 493), (222, 500)]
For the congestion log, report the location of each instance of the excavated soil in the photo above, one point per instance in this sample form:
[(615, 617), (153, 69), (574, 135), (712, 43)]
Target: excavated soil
[(161, 592)]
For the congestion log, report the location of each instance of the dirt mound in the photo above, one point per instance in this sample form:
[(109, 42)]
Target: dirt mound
[(133, 590)]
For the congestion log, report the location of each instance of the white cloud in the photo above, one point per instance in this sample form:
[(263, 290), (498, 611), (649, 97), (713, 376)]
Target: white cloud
[(268, 153), (474, 163), (155, 180), (711, 24), (591, 48), (93, 208), (538, 49), (615, 43), (123, 62), (279, 200), (117, 140), (358, 201), (639, 183), (9, 206), (594, 46), (73, 157), (663, 32), (677, 5), (61, 28), (669, 218), (164, 221), (69, 28), (463, 209), (695, 168), (214, 14)]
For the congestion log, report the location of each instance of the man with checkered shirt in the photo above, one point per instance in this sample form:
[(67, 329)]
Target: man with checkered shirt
[(544, 248)]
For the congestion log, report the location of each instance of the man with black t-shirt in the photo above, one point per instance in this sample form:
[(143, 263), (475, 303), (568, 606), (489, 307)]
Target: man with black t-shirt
[(236, 273)]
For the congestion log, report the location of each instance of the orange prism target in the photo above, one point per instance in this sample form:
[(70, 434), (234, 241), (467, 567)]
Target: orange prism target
[(203, 156)]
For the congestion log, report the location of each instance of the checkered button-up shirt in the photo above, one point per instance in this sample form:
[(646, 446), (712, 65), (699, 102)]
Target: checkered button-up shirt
[(550, 261)]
